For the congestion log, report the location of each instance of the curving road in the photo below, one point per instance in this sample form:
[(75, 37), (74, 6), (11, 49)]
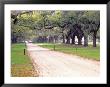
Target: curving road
[(57, 64)]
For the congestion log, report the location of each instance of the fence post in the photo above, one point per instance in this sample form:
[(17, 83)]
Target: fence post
[(24, 51)]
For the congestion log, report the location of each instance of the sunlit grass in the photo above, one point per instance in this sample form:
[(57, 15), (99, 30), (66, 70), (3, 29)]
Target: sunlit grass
[(21, 65), (86, 52)]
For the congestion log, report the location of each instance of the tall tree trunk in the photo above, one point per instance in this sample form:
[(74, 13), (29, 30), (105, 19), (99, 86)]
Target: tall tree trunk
[(79, 41), (94, 38), (85, 40), (63, 38), (73, 40), (68, 40)]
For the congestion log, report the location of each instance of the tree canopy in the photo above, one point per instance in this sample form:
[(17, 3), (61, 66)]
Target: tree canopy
[(49, 25)]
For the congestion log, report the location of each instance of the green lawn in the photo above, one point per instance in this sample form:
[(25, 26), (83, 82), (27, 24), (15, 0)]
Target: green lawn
[(17, 54), (21, 65), (86, 52)]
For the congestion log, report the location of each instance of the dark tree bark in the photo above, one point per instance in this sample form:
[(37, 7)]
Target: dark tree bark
[(73, 40), (63, 38), (15, 20), (85, 40), (68, 40), (68, 37), (94, 38), (79, 41)]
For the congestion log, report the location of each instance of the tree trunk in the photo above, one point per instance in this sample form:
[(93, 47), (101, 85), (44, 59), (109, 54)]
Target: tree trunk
[(68, 40), (63, 38), (85, 40), (94, 39), (73, 40), (79, 41)]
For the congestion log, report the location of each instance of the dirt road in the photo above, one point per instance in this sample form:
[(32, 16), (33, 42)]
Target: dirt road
[(57, 64)]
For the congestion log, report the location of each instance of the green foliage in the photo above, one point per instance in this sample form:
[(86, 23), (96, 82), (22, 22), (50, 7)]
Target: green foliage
[(45, 22)]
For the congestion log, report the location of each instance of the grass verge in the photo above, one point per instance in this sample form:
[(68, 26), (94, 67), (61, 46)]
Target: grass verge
[(86, 52), (21, 65)]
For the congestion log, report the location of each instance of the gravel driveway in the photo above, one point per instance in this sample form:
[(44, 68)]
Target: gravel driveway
[(57, 64)]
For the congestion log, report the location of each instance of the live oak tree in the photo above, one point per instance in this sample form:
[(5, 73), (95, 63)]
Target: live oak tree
[(91, 24), (48, 25), (21, 25)]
